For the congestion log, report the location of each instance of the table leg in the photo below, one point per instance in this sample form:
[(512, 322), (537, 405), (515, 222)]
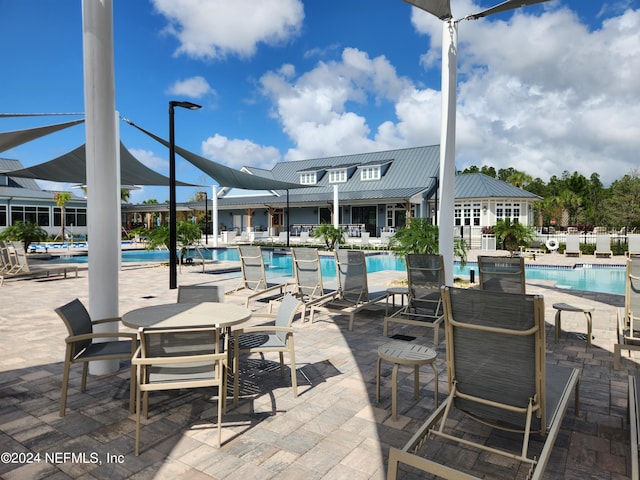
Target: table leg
[(378, 380), (394, 391), (416, 382), (589, 326), (557, 325), (435, 384)]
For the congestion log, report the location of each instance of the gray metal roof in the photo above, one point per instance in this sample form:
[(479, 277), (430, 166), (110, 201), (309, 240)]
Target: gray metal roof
[(479, 185), (7, 164)]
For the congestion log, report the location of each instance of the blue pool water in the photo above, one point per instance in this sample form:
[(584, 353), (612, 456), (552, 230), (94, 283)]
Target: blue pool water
[(595, 278)]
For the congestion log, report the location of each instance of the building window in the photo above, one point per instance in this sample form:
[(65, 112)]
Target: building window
[(338, 176), (370, 173), (457, 215), (508, 210), (73, 216), (308, 178), (3, 216), (476, 214), (37, 215)]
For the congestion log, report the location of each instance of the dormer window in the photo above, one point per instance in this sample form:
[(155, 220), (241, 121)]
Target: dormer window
[(370, 173), (308, 178), (338, 175)]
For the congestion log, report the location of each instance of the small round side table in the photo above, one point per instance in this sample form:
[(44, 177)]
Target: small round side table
[(405, 353)]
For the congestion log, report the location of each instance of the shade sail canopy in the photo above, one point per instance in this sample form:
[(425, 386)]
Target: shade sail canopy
[(503, 7), (439, 8), (225, 176), (8, 140), (72, 168)]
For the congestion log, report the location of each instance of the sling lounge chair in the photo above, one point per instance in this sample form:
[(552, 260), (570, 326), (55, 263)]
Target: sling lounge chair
[(629, 316), (633, 244), (353, 291), (501, 274), (498, 376), (634, 425), (603, 246), (21, 267), (425, 275), (307, 275), (572, 248), (254, 277)]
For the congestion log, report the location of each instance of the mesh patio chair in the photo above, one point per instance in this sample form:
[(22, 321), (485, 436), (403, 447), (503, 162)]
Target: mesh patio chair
[(307, 276), (183, 366), (254, 277), (633, 244), (199, 294), (25, 269), (82, 347), (497, 376), (628, 326), (634, 425), (501, 274), (276, 338), (353, 291), (572, 249), (603, 246), (425, 275)]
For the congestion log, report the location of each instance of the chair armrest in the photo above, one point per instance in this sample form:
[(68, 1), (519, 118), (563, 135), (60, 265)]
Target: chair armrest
[(89, 336)]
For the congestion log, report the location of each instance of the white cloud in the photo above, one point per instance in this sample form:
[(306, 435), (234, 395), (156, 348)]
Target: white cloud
[(150, 159), (213, 29), (194, 87), (239, 153)]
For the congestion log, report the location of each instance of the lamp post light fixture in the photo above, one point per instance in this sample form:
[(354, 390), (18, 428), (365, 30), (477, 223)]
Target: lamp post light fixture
[(206, 219), (442, 10), (173, 234)]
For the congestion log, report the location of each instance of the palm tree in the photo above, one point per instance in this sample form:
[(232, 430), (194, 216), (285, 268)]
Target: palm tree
[(25, 232), (62, 198), (331, 235), (512, 234)]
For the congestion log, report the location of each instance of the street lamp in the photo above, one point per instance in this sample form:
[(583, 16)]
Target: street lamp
[(206, 219), (436, 184), (442, 10), (173, 264)]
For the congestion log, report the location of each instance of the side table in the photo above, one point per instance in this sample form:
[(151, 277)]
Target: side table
[(565, 307), (405, 353), (392, 292)]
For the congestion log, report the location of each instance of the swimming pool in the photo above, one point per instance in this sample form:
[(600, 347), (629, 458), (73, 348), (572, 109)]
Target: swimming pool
[(594, 278)]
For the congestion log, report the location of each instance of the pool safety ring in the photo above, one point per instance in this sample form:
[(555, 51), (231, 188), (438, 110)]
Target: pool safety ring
[(552, 244)]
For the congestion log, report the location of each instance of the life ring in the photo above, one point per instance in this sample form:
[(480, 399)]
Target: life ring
[(552, 244)]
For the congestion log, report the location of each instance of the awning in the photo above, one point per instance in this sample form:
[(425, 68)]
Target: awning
[(225, 176), (72, 168), (8, 140)]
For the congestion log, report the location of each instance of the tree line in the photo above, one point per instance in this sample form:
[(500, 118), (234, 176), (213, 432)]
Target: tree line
[(577, 201)]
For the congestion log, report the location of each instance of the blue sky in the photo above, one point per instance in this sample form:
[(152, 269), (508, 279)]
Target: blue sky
[(544, 89)]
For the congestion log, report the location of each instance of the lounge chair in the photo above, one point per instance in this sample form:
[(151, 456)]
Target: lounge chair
[(634, 425), (633, 244), (425, 275), (572, 248), (603, 246), (628, 327), (353, 292), (276, 338), (364, 239), (307, 275), (20, 266), (82, 346), (254, 277), (501, 274), (498, 376), (183, 365), (8, 261)]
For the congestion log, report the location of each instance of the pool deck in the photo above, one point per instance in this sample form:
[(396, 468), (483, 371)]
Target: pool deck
[(333, 430)]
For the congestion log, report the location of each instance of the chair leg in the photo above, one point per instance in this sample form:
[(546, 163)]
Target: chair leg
[(236, 372), (138, 421), (294, 380), (281, 354), (85, 371), (132, 389), (65, 386), (222, 395)]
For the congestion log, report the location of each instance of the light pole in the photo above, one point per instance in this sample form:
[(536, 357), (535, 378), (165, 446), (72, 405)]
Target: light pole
[(173, 264), (437, 184), (206, 219), (442, 10)]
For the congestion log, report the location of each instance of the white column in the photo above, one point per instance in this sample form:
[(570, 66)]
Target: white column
[(103, 186), (214, 213), (448, 146), (336, 207)]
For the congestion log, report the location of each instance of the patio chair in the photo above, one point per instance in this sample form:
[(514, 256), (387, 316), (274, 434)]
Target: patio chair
[(82, 346), (501, 274), (353, 291), (200, 293), (603, 246), (572, 248), (425, 275), (21, 267), (254, 276), (497, 376), (268, 339), (8, 262), (307, 276), (633, 244), (633, 411), (364, 239), (193, 366), (628, 328)]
